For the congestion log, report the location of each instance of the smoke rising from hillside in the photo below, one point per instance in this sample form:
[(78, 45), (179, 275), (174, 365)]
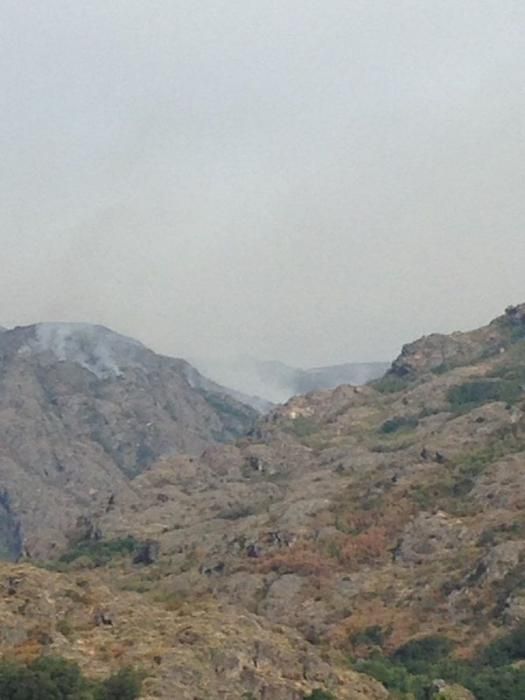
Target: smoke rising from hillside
[(308, 181)]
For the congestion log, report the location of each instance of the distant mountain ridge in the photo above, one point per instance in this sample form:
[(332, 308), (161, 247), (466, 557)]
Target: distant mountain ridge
[(276, 381), (356, 373)]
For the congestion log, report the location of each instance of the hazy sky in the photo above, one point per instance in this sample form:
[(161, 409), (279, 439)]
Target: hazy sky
[(314, 181)]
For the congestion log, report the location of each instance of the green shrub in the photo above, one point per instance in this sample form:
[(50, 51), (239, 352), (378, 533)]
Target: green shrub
[(124, 685), (319, 694), (399, 423), (512, 373), (396, 678), (237, 511), (517, 333), (64, 627), (409, 673), (475, 393), (390, 384), (55, 678), (506, 650), (302, 427), (471, 464), (371, 636), (443, 368), (422, 651), (100, 552), (486, 683)]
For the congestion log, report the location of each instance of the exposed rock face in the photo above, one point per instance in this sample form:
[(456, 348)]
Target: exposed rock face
[(441, 351), (433, 351), (430, 537), (83, 410), (516, 316), (147, 554)]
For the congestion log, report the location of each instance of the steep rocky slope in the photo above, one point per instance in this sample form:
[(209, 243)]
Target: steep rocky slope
[(83, 410), (398, 505), (442, 352), (195, 652), (347, 522)]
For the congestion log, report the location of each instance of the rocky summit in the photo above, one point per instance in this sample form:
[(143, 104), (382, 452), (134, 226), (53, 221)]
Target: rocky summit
[(360, 542)]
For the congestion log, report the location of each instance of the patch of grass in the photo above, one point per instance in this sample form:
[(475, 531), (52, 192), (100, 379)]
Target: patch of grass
[(302, 427), (98, 552), (318, 443), (450, 488), (397, 442), (502, 533), (76, 597), (443, 368), (171, 600), (466, 396), (448, 493), (429, 411), (474, 463), (65, 627), (371, 636), (512, 373)]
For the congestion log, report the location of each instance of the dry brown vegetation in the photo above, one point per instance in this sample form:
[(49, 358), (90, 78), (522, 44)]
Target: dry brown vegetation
[(333, 538)]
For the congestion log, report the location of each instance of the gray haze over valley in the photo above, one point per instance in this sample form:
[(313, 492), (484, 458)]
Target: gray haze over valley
[(276, 382), (313, 183)]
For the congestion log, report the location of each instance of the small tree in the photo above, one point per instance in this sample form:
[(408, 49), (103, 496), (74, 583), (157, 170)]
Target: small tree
[(124, 685), (319, 694)]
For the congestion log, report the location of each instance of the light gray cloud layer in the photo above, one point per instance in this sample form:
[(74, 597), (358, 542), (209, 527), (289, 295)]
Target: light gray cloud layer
[(316, 181)]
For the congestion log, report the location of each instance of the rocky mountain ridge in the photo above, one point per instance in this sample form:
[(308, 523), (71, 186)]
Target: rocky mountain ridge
[(347, 524), (395, 508)]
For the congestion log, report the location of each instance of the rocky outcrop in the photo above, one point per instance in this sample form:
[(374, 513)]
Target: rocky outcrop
[(430, 537), (516, 317), (440, 352)]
